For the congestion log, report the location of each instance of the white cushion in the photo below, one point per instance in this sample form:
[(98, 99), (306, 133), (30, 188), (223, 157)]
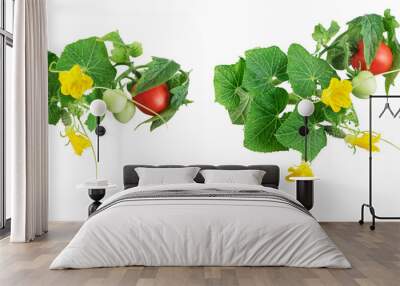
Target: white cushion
[(248, 177), (166, 176)]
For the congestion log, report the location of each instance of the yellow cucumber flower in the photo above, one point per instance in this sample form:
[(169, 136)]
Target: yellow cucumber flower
[(78, 141), (337, 95), (75, 82), (302, 170), (362, 141)]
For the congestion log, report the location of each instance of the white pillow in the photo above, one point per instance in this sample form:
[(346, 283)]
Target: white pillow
[(166, 176), (248, 177)]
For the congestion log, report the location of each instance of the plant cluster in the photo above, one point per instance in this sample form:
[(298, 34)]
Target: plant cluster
[(105, 68), (252, 89)]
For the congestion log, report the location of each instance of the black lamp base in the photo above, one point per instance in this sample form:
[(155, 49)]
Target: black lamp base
[(305, 193), (96, 195)]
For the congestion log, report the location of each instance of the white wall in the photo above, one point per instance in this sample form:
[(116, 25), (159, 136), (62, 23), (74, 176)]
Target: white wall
[(200, 34)]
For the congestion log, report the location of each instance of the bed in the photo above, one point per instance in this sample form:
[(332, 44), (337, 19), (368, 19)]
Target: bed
[(199, 224)]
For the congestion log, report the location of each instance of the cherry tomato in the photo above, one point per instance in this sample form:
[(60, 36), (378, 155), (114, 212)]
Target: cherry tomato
[(156, 99), (380, 64)]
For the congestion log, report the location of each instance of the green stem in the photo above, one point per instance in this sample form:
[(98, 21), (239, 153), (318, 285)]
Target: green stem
[(91, 146), (389, 72), (150, 110)]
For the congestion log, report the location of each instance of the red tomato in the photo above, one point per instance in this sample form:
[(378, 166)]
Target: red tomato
[(156, 99), (380, 64)]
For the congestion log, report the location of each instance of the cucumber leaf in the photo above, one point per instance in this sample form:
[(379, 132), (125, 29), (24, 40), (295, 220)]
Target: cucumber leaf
[(91, 122), (54, 110), (305, 71), (288, 135), (159, 71), (371, 30), (264, 68), (92, 56), (238, 115), (227, 79), (263, 121)]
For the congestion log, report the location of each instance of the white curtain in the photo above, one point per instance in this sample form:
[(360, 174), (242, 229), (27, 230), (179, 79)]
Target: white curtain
[(28, 158)]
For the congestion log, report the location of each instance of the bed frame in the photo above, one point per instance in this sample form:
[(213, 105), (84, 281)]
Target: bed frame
[(270, 179)]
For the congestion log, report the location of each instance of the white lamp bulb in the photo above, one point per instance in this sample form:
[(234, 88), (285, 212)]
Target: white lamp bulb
[(305, 108), (98, 107)]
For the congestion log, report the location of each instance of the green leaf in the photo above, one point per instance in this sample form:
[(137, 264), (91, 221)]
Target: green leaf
[(156, 121), (53, 82), (66, 117), (92, 56), (227, 79), (338, 56), (54, 113), (91, 122), (335, 132), (178, 95), (306, 71), (238, 115), (288, 135), (334, 117), (95, 94), (390, 23), (263, 120), (322, 35), (66, 100), (159, 71), (265, 67), (371, 30)]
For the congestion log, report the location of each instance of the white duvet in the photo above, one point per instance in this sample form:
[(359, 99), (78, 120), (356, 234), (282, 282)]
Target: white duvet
[(193, 231)]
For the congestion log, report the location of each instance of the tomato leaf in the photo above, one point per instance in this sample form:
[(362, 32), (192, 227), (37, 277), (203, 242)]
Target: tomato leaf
[(263, 121), (92, 56), (227, 79), (288, 135), (390, 23), (159, 71), (338, 56), (305, 71), (371, 30), (265, 67), (322, 35), (178, 95)]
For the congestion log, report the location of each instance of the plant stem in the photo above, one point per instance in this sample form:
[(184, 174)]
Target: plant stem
[(91, 146), (150, 110), (389, 72)]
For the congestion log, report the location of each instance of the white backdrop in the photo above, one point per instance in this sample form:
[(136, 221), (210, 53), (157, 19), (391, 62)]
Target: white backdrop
[(200, 34)]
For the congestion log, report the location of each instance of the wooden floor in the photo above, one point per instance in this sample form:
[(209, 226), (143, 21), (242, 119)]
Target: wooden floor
[(375, 257)]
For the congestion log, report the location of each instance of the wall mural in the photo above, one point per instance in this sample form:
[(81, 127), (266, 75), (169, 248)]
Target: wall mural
[(104, 68), (252, 89)]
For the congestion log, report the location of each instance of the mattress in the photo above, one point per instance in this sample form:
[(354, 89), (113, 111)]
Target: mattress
[(201, 225)]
